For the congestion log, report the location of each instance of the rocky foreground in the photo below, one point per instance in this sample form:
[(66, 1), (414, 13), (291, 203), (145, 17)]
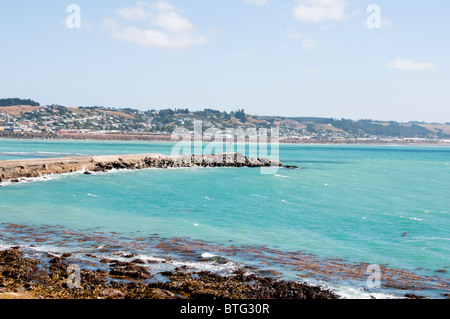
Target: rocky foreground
[(14, 170), (24, 278)]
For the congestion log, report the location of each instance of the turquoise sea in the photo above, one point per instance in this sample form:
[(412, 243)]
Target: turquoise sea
[(346, 207)]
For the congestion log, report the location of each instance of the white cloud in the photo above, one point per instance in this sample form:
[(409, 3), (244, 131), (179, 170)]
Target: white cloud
[(139, 13), (409, 65), (309, 44), (168, 28), (257, 2), (318, 11)]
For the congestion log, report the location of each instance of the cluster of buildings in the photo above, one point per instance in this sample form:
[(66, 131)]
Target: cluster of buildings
[(302, 135), (10, 123), (62, 120), (59, 119)]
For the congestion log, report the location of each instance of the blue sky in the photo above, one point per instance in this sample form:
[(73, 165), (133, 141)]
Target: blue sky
[(270, 57)]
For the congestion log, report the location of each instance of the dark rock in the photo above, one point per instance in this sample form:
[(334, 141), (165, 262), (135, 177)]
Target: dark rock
[(217, 259), (130, 270), (412, 296), (106, 261), (183, 282), (205, 294), (167, 273), (56, 260), (115, 263)]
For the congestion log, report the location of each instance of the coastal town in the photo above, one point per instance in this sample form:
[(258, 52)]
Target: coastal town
[(25, 117)]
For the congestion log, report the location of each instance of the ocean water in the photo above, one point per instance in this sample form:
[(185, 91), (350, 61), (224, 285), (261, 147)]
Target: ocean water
[(345, 208)]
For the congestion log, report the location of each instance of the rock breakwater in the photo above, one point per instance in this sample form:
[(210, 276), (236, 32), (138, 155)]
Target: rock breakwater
[(13, 171)]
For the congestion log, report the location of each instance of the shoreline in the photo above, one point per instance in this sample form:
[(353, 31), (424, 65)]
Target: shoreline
[(26, 278), (162, 138), (175, 269)]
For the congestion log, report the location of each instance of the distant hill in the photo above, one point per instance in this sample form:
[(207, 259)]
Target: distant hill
[(18, 109), (58, 117)]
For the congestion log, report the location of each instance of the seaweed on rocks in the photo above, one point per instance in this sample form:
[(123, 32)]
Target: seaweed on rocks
[(128, 280)]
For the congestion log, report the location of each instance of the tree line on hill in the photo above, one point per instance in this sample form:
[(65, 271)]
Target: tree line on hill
[(17, 101), (374, 128)]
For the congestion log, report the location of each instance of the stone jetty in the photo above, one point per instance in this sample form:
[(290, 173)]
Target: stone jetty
[(13, 171)]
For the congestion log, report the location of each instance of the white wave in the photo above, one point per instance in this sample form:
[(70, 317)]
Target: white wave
[(346, 292), (57, 153), (41, 153), (128, 170), (429, 238), (207, 266), (140, 256), (198, 266), (5, 246), (282, 176), (26, 180), (257, 195), (84, 170), (350, 292), (17, 153), (43, 178), (54, 250), (150, 258)]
